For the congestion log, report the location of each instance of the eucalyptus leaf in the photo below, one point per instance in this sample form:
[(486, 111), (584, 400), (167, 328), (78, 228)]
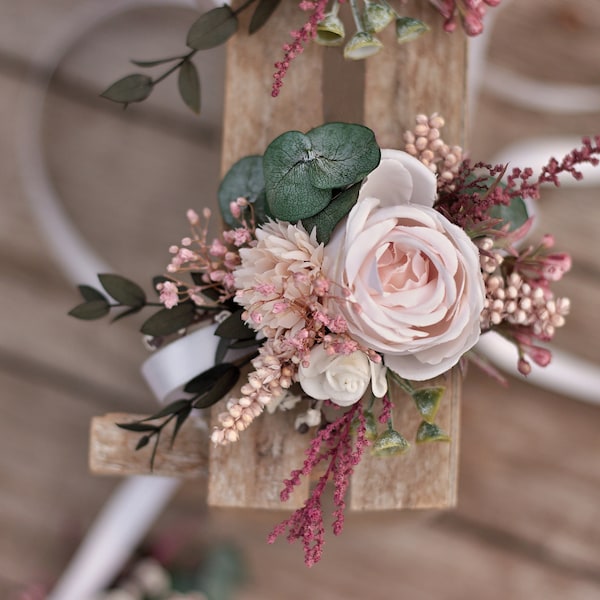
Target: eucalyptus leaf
[(389, 443), (344, 154), (262, 14), (188, 83), (514, 215), (205, 381), (428, 401), (89, 311), (290, 194), (221, 387), (430, 432), (245, 179), (89, 293), (132, 88), (234, 328), (326, 220), (123, 290), (212, 29), (301, 170), (169, 320)]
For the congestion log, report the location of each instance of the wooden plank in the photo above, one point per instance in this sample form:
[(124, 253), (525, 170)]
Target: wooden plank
[(428, 75), (112, 449), (250, 472)]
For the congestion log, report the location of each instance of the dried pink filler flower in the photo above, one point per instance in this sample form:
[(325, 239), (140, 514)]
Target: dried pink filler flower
[(344, 454)]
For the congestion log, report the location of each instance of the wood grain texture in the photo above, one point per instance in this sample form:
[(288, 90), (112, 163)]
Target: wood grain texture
[(112, 449), (426, 475), (250, 472), (424, 76)]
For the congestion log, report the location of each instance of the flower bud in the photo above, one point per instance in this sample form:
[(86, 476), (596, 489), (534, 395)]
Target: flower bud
[(377, 16), (330, 31), (362, 45), (408, 29)]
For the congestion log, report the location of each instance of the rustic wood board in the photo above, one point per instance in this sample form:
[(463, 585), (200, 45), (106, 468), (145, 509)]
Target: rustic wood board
[(112, 449), (250, 472)]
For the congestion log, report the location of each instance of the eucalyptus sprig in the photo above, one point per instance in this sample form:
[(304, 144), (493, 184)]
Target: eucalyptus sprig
[(212, 29), (427, 400), (206, 389), (131, 297)]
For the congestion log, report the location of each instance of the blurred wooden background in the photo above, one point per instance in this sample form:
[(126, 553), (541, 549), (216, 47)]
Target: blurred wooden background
[(527, 525)]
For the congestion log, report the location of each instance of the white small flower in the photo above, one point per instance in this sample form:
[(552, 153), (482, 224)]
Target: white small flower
[(341, 378), (311, 418)]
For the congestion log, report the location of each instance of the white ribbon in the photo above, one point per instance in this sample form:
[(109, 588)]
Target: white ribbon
[(170, 368)]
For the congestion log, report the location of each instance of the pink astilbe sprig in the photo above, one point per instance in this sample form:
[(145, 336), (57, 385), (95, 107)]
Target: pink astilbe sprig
[(334, 443), (587, 153), (300, 36)]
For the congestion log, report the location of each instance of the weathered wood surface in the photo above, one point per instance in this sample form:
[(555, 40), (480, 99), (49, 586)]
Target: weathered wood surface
[(250, 472), (527, 522), (113, 449)]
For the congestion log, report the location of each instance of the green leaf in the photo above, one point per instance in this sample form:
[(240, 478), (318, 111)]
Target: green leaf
[(181, 418), (126, 313), (132, 88), (430, 432), (302, 170), (169, 320), (89, 311), (169, 409), (428, 401), (221, 387), (262, 14), (154, 63), (137, 426), (290, 194), (123, 290), (514, 215), (212, 29), (345, 153), (189, 85), (205, 381), (89, 293), (389, 443), (234, 328), (142, 442), (326, 220), (245, 179), (222, 348)]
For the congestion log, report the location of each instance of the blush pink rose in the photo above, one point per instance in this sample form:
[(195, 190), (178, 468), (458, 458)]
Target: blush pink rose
[(413, 283)]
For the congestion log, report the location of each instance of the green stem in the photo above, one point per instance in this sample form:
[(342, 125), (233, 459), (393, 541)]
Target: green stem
[(174, 68), (356, 15)]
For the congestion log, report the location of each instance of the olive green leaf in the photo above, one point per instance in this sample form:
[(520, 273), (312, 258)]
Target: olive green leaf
[(262, 14), (188, 83), (132, 88), (234, 328), (89, 293), (90, 310), (245, 179), (389, 443), (212, 29), (326, 220), (169, 320), (122, 289)]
